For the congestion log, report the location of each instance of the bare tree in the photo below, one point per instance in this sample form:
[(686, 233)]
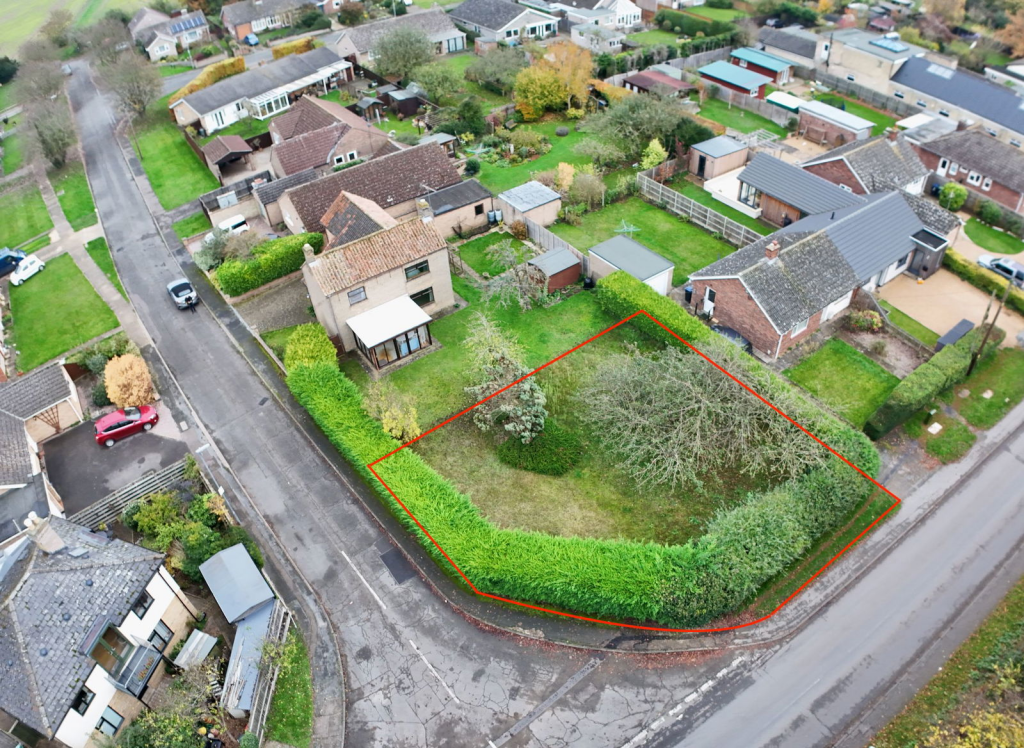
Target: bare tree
[(519, 283), (38, 50), (57, 26), (51, 130), (136, 85), (39, 81), (672, 419), (106, 40)]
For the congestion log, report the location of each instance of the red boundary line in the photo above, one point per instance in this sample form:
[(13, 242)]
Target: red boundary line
[(896, 499)]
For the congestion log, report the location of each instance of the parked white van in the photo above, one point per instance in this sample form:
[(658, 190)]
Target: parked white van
[(234, 225)]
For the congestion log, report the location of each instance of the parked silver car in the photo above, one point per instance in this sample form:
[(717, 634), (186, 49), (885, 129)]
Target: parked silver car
[(182, 293)]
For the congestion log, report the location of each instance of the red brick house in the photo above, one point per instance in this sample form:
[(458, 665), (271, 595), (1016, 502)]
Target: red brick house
[(735, 78), (877, 165)]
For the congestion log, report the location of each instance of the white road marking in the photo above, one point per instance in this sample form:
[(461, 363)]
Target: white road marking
[(363, 580), (436, 674)]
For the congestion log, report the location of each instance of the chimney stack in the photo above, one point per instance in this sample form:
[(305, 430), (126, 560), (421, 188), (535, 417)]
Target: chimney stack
[(307, 251), (772, 250), (42, 534), (892, 133)]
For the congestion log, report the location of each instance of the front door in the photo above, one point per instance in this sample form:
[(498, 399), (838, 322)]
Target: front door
[(709, 302), (702, 161)]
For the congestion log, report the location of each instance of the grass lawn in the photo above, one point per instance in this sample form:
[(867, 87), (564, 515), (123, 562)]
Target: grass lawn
[(986, 237), (845, 379), (35, 245), (269, 36), (653, 38), (336, 97), (100, 254), (14, 154), (684, 244), (72, 190), (290, 717), (910, 325), (6, 96), (56, 311), (432, 3), (737, 118), (881, 119), (168, 70), (246, 128), (194, 224), (1003, 373), (278, 339), (399, 126), (459, 63), (716, 14), (175, 172), (500, 179), (695, 192), (474, 252), (25, 216)]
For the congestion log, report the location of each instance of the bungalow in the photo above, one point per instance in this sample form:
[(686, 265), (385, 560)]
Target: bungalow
[(799, 46), (785, 193), (735, 78), (653, 81), (501, 20), (778, 69), (780, 289), (1011, 74), (598, 39), (394, 182), (989, 168), (376, 294), (622, 253), (160, 35), (877, 165), (532, 201), (262, 92), (824, 124), (356, 44), (459, 210), (616, 14), (256, 16), (86, 620)]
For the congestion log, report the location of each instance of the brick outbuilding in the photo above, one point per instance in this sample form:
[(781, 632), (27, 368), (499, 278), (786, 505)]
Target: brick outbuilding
[(776, 68), (735, 78)]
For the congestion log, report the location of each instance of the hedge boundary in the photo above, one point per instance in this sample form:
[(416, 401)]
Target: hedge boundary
[(613, 580), (270, 261), (983, 278), (211, 74)]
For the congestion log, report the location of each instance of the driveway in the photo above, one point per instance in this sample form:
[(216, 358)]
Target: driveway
[(943, 300), (83, 472)]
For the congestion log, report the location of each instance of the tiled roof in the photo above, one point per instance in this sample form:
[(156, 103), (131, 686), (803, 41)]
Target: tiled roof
[(931, 214), (792, 185), (271, 192), (386, 180), (16, 503), (880, 164), (435, 23), (15, 454), (351, 217), (372, 255), (25, 396), (46, 667), (170, 28), (310, 149), (795, 41), (457, 196), (304, 116), (246, 11), (489, 14), (225, 146), (143, 19), (977, 151)]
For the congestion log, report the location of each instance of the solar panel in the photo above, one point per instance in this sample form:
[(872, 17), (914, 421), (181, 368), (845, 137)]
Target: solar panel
[(890, 45), (188, 23), (941, 70)]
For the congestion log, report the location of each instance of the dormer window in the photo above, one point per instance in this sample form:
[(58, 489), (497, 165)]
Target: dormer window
[(111, 651)]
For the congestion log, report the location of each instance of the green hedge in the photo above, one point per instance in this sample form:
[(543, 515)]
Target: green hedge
[(270, 261), (621, 295), (677, 586), (984, 279), (554, 452), (308, 345), (946, 368), (690, 25)]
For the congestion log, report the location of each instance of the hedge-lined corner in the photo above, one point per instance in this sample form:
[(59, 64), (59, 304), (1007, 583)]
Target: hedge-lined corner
[(614, 580), (982, 278), (211, 74), (692, 25), (270, 261), (294, 47), (945, 369)]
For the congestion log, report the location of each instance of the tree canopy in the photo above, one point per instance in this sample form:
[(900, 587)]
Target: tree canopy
[(634, 122), (399, 52)]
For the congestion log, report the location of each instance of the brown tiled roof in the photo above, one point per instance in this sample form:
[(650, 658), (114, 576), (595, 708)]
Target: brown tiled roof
[(223, 146), (309, 150), (308, 114), (386, 180), (351, 217), (344, 267)]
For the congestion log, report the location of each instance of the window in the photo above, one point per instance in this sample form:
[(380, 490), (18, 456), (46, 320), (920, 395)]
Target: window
[(753, 92), (1015, 143), (110, 722), (82, 700), (352, 156), (987, 184), (218, 118), (845, 187), (161, 636), (953, 169), (424, 297), (142, 604), (898, 94), (420, 268), (943, 112), (359, 294), (903, 260), (923, 104), (974, 178), (478, 210), (743, 63), (339, 160), (111, 650), (799, 328), (850, 78), (239, 106)]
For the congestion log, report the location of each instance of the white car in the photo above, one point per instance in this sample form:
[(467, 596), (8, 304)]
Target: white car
[(26, 269)]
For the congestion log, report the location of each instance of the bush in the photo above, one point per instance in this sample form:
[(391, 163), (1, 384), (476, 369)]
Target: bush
[(864, 321), (249, 740), (554, 452), (990, 213), (982, 278), (296, 46), (207, 258), (128, 381), (472, 167), (719, 3), (491, 141), (309, 345), (272, 260), (622, 295), (210, 75), (561, 131), (518, 230), (99, 394), (952, 196)]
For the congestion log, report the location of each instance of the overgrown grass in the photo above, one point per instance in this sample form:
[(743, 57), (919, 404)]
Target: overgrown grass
[(474, 252), (290, 717), (175, 172), (953, 442), (196, 223), (14, 154), (459, 63), (498, 179), (100, 254), (688, 247), (737, 118), (55, 311), (24, 216), (75, 198), (844, 379), (986, 237), (1003, 374), (698, 194), (278, 339), (881, 119), (910, 325)]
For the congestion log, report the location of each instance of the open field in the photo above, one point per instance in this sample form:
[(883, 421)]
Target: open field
[(20, 19)]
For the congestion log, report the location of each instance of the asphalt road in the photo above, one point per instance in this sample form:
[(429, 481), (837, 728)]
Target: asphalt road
[(419, 675)]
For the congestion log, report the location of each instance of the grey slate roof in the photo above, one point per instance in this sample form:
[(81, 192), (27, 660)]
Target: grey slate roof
[(794, 41), (457, 196), (554, 261), (20, 399), (16, 503), (435, 23), (246, 11), (235, 582), (15, 454), (488, 14), (792, 185), (528, 196), (260, 80), (978, 151), (632, 256), (270, 193), (34, 598), (880, 164), (347, 222), (964, 89), (931, 214), (723, 145)]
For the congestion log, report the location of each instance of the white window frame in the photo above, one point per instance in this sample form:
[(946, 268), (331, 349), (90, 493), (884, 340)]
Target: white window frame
[(799, 328), (954, 167), (339, 160), (974, 178), (986, 185), (351, 156), (743, 63)]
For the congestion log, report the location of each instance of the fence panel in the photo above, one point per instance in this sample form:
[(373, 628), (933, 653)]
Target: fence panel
[(766, 109), (700, 59), (549, 241), (109, 508), (266, 680)]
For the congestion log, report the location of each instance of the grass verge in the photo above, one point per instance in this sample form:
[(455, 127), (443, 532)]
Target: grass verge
[(14, 154), (100, 254), (910, 325), (995, 241), (36, 244), (75, 198), (290, 717), (24, 216), (1003, 374), (189, 227)]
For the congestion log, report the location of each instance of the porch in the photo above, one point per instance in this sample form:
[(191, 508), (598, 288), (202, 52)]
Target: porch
[(391, 332)]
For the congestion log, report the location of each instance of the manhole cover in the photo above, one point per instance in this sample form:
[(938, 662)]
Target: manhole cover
[(397, 564)]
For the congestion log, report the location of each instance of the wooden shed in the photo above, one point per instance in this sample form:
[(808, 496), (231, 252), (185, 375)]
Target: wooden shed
[(713, 158), (560, 267)]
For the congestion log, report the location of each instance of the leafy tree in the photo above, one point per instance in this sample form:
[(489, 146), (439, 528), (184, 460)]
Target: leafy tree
[(538, 89), (990, 213), (517, 408), (952, 196), (351, 13), (498, 68), (396, 414), (601, 154), (57, 25), (135, 86), (51, 130), (636, 121), (689, 131), (440, 80), (588, 190), (1012, 35), (167, 7), (654, 155), (120, 15), (519, 282), (8, 69), (573, 66), (399, 52), (467, 117), (472, 167), (38, 50), (129, 383), (672, 419)]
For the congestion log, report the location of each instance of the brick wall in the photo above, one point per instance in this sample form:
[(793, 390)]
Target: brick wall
[(837, 172), (822, 131), (999, 193)]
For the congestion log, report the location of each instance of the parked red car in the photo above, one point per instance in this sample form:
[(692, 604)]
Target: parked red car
[(121, 423)]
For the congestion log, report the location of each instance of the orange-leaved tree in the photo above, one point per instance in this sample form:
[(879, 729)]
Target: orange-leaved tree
[(128, 381)]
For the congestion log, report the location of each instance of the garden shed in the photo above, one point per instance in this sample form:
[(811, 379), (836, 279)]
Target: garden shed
[(369, 108), (560, 267), (712, 158), (531, 200), (622, 253), (236, 584), (404, 102)]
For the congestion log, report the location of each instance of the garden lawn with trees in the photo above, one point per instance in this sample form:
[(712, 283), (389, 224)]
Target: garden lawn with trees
[(498, 179), (75, 198), (55, 312), (696, 193), (991, 239), (459, 63), (24, 215), (690, 248), (474, 252)]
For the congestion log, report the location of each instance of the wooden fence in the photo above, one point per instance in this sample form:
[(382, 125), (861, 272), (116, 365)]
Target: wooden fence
[(700, 59), (766, 109), (549, 241), (266, 681), (735, 233), (866, 95), (109, 508)]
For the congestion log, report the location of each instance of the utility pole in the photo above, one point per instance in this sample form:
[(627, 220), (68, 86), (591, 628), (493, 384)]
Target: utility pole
[(977, 354)]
